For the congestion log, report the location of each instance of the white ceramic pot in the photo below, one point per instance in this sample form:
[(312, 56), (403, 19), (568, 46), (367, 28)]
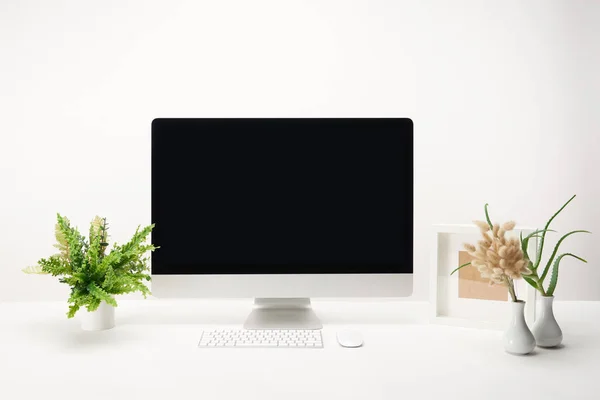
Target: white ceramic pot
[(99, 320), (518, 339), (546, 331)]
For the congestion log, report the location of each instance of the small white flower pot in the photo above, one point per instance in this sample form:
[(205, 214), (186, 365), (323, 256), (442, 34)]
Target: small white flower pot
[(545, 329), (101, 319), (518, 339)]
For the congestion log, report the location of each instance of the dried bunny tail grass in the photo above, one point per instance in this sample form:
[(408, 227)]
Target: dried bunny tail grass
[(479, 254), (510, 252), (514, 274), (495, 230), (470, 247), (502, 251), (509, 226), (502, 241), (482, 225), (486, 236), (519, 265), (485, 244), (492, 256), (509, 274), (498, 257)]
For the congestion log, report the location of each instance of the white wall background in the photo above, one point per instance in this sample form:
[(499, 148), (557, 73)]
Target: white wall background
[(504, 96)]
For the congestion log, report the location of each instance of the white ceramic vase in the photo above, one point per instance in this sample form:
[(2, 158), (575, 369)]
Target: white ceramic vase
[(101, 319), (546, 331), (518, 339)]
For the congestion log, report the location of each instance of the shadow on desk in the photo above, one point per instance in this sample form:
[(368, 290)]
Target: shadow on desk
[(68, 336)]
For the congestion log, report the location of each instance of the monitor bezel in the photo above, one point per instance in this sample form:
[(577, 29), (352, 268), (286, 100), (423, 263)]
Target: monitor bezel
[(363, 269)]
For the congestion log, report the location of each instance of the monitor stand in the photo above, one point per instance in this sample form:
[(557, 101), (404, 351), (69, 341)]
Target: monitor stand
[(282, 314)]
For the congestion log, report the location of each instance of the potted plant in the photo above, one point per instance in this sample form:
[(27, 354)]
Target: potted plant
[(95, 274), (546, 330), (501, 259)]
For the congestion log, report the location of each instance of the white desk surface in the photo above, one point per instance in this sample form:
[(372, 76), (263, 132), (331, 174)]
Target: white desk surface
[(152, 354)]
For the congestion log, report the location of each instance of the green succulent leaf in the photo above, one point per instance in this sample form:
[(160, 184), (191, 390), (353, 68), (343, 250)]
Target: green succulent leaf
[(543, 238), (555, 251), (554, 275), (530, 281), (525, 242)]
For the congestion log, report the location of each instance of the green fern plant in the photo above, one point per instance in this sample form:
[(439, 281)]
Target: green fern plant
[(539, 273), (93, 274)]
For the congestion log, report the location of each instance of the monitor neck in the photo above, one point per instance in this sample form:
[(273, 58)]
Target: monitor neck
[(282, 313)]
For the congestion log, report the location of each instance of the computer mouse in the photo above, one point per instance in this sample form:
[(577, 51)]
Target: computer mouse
[(349, 339)]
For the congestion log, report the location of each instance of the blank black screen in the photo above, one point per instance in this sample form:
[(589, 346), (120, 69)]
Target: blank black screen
[(278, 196)]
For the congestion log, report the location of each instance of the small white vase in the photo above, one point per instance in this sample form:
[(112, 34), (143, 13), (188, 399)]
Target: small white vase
[(546, 331), (518, 339), (101, 319)]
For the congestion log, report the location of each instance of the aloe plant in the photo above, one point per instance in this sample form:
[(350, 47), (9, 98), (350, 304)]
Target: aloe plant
[(552, 266)]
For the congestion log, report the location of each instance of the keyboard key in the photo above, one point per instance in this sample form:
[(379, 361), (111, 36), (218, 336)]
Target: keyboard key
[(262, 338)]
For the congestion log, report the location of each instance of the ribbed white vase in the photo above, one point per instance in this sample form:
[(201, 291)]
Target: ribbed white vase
[(545, 329), (101, 319), (518, 339)]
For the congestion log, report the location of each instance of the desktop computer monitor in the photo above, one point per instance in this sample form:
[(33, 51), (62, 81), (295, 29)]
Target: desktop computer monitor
[(281, 210)]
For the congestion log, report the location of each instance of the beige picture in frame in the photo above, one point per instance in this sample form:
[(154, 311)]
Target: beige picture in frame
[(472, 286)]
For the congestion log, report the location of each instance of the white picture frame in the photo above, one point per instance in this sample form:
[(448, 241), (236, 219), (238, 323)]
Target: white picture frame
[(445, 305)]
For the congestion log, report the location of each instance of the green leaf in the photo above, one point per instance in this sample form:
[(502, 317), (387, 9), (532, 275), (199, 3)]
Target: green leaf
[(525, 241), (530, 281), (487, 216), (101, 295), (536, 234), (554, 276), (95, 247), (462, 266), (541, 245), (34, 269), (76, 243), (73, 310), (93, 304), (79, 298), (54, 265), (524, 245), (551, 259)]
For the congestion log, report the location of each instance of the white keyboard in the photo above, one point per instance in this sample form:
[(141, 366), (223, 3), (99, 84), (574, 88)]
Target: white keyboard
[(261, 338)]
